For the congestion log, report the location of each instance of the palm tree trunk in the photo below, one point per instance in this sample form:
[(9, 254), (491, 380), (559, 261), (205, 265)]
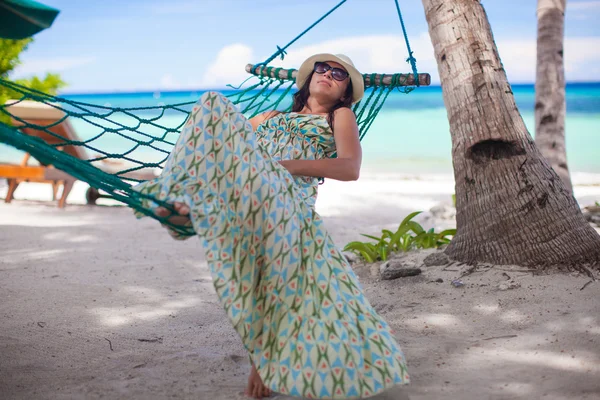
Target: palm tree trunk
[(550, 105), (512, 208)]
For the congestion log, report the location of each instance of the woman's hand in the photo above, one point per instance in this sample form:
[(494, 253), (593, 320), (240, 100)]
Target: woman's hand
[(289, 165)]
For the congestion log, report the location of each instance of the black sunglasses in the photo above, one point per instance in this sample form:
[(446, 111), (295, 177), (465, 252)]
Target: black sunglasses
[(336, 73)]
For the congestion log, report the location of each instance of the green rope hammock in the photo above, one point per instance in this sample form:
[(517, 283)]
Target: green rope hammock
[(145, 140)]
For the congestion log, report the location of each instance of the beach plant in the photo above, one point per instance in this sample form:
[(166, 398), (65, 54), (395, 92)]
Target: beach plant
[(409, 235), (10, 51)]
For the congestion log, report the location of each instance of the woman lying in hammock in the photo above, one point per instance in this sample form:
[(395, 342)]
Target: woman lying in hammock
[(248, 189)]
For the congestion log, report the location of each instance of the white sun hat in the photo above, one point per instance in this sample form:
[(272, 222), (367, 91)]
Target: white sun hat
[(358, 84)]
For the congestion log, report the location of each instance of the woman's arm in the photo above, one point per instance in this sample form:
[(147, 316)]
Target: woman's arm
[(346, 167)]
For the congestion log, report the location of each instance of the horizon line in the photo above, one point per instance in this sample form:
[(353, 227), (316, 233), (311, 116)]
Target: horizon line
[(172, 91)]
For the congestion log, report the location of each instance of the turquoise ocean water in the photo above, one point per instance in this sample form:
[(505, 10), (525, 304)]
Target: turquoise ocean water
[(411, 133)]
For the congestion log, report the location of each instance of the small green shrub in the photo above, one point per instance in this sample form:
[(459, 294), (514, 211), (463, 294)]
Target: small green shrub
[(409, 235), (10, 52)]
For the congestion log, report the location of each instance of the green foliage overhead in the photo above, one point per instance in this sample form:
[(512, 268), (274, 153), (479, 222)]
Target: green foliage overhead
[(10, 51), (49, 84), (409, 235)]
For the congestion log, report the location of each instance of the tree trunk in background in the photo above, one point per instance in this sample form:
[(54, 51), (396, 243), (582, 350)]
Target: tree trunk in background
[(512, 208), (550, 106)]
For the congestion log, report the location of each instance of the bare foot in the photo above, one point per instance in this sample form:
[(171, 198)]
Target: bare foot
[(180, 208), (256, 388)]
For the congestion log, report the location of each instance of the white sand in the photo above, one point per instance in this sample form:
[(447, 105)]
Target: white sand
[(72, 280)]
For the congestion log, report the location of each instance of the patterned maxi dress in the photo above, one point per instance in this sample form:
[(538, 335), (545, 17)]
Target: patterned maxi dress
[(287, 289)]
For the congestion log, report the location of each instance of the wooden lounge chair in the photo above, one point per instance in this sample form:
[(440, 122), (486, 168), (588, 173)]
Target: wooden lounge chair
[(44, 115)]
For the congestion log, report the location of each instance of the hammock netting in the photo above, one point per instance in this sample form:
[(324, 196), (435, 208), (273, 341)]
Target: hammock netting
[(136, 139)]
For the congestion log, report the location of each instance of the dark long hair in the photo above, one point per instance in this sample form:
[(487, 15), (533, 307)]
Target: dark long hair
[(301, 97)]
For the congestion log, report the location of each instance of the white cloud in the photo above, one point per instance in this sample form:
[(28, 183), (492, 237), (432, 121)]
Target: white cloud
[(42, 65), (519, 59), (228, 67), (372, 53), (583, 5), (387, 53), (582, 62), (383, 53)]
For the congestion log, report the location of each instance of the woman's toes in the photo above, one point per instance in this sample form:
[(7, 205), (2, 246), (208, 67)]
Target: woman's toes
[(182, 209), (179, 217), (161, 212), (179, 220)]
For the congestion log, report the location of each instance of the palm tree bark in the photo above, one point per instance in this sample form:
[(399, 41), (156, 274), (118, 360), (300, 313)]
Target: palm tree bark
[(550, 105), (512, 208)]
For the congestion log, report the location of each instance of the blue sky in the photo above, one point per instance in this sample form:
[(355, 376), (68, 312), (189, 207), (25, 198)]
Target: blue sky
[(133, 45)]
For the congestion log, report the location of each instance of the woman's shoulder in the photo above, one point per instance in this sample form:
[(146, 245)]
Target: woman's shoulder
[(344, 115), (344, 112)]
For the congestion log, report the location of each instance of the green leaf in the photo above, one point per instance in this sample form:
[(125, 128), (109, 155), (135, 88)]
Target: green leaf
[(377, 239), (50, 84), (415, 227), (406, 242), (387, 233), (401, 240), (426, 240), (371, 246), (383, 253), (10, 52), (447, 232), (366, 250), (399, 233), (353, 246), (367, 256), (409, 217)]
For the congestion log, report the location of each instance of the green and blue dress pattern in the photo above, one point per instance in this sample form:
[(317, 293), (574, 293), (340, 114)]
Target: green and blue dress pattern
[(287, 289)]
